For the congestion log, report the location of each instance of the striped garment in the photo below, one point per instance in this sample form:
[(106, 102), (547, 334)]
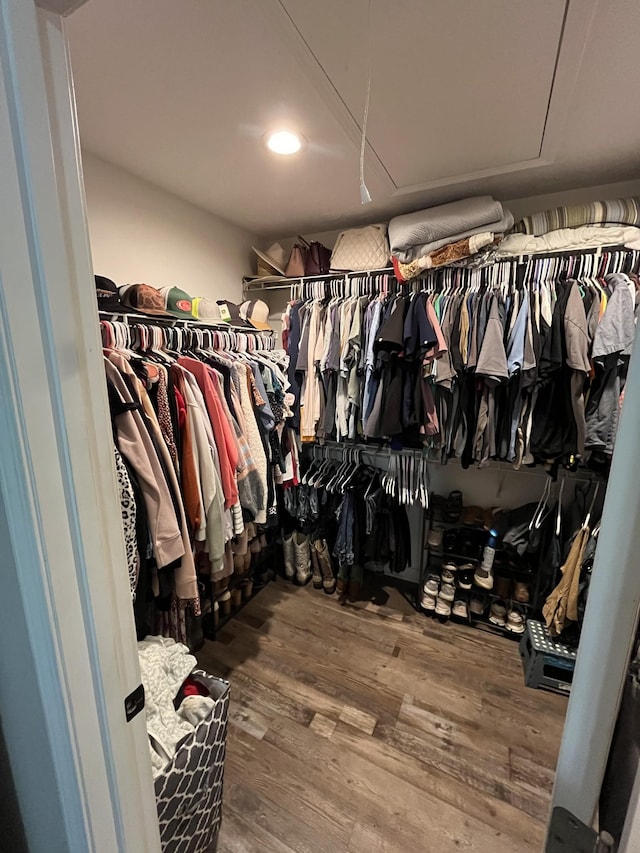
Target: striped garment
[(625, 211)]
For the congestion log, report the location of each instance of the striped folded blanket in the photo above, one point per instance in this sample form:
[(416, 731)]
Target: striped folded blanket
[(624, 211)]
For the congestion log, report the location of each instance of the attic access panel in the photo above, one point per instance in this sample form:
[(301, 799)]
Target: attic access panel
[(457, 88)]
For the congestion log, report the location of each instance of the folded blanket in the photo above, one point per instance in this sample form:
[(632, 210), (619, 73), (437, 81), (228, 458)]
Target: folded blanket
[(499, 227), (443, 256), (564, 239), (446, 223), (625, 211)]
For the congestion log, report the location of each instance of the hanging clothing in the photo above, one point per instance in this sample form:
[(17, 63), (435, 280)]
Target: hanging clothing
[(193, 450)]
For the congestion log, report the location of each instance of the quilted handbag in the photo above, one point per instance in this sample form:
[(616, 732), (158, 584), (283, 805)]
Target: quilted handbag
[(189, 790), (361, 249)]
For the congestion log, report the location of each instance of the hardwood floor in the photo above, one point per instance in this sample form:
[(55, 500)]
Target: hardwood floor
[(371, 728)]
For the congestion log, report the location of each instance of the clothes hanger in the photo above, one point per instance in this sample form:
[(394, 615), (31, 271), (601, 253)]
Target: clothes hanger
[(542, 509), (587, 519)]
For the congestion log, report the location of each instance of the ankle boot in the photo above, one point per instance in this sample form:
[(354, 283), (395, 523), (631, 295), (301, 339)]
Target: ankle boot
[(302, 558), (289, 559), (326, 568), (315, 565)]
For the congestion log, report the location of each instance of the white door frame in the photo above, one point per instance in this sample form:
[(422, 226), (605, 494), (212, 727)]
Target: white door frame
[(68, 654)]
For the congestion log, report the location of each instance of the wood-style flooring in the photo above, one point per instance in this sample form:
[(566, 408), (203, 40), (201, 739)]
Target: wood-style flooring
[(362, 728)]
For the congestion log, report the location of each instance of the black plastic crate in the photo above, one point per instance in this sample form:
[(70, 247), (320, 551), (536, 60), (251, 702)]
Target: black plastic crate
[(547, 663)]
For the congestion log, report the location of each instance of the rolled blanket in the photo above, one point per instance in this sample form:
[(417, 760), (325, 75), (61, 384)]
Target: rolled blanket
[(624, 211), (441, 257), (565, 239), (443, 224)]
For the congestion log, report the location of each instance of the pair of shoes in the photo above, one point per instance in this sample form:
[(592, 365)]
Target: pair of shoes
[(506, 588), (515, 620), (483, 577), (477, 606), (502, 586), (323, 574), (449, 572), (446, 594), (297, 558), (434, 539), (510, 618), (348, 589), (460, 609), (465, 575), (453, 507), (476, 516), (522, 592), (429, 596), (436, 507), (473, 516)]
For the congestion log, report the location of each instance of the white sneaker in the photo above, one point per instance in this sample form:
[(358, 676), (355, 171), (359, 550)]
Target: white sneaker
[(428, 602), (431, 586), (460, 609), (434, 539), (477, 605), (448, 576), (515, 621), (443, 608), (498, 614), (447, 592), (483, 579)]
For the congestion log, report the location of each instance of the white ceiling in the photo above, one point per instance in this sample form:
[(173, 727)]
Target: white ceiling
[(505, 96)]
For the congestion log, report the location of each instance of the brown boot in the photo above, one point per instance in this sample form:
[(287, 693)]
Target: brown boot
[(326, 568), (315, 567)]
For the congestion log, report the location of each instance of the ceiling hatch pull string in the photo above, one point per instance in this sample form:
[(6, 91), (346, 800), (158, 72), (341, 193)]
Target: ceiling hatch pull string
[(365, 195)]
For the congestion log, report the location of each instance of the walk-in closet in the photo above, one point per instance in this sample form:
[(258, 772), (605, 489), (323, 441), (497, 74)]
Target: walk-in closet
[(321, 394)]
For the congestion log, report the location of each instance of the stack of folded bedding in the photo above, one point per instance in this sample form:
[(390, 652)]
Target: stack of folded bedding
[(576, 226), (445, 234)]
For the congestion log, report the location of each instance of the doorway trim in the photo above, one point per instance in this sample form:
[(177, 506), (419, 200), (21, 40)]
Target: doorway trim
[(72, 639)]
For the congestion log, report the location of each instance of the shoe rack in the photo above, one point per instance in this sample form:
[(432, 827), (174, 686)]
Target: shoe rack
[(469, 547)]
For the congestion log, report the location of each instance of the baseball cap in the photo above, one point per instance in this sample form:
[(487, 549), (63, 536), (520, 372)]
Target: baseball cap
[(108, 297), (257, 313), (210, 311), (177, 302), (143, 299)]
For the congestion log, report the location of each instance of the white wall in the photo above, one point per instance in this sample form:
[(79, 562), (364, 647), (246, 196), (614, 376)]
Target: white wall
[(140, 233)]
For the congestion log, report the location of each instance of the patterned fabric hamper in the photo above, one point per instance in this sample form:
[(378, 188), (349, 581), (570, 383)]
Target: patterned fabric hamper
[(189, 791)]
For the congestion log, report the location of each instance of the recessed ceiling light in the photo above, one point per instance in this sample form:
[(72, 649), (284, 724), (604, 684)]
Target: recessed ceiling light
[(284, 142)]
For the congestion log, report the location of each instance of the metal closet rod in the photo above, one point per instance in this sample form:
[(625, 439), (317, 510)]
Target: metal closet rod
[(497, 465), (289, 280), (146, 319), (566, 253)]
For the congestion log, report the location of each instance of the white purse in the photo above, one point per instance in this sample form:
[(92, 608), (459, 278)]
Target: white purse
[(361, 249)]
